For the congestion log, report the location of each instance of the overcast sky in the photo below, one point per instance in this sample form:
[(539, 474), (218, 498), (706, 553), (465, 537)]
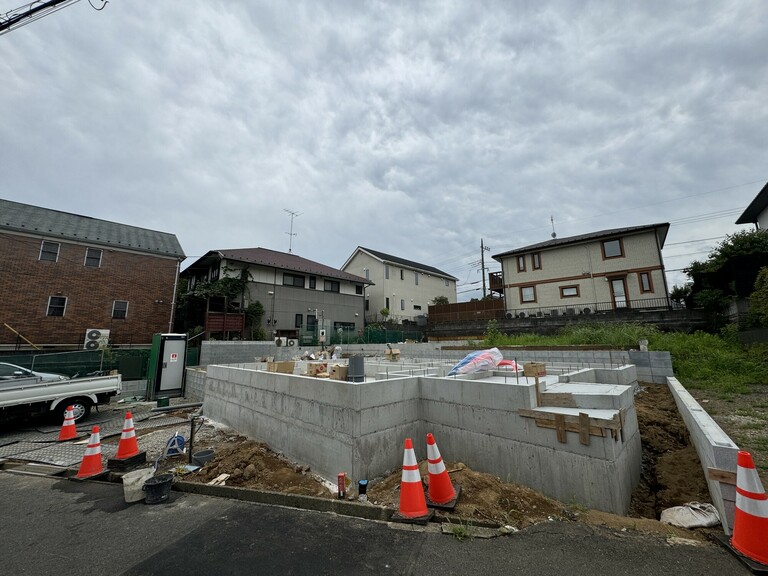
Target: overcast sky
[(413, 128)]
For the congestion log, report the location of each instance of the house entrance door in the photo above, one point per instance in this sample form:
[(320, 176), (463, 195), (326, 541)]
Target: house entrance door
[(619, 293)]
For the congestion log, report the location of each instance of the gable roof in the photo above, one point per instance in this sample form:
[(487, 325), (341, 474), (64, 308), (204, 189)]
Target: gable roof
[(28, 219), (755, 207), (660, 229), (400, 261), (281, 260)]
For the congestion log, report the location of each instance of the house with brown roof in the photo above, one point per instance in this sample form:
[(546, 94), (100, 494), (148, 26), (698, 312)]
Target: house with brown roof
[(608, 270), (301, 298), (72, 281)]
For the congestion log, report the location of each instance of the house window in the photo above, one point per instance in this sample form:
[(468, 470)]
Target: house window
[(536, 257), (416, 278), (521, 263), (417, 306), (612, 249), (119, 309), (386, 272), (49, 251), (528, 294), (646, 283), (569, 291), (215, 274), (93, 257), (312, 282), (293, 280), (367, 273), (359, 289), (446, 281), (332, 286), (367, 305), (311, 321), (386, 303), (56, 305), (297, 323), (402, 274), (402, 304)]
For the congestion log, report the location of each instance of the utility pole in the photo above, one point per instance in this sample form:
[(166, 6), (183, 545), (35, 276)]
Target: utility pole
[(482, 264), (291, 234)]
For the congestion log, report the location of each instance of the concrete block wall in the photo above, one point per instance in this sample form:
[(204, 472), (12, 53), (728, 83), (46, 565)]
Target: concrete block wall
[(195, 384), (714, 447), (359, 428)]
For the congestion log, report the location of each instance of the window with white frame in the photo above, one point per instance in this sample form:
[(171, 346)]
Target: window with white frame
[(416, 278), (119, 309), (93, 257), (57, 305), (49, 251)]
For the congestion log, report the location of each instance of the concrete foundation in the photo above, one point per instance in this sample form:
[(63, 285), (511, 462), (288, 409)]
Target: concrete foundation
[(576, 441)]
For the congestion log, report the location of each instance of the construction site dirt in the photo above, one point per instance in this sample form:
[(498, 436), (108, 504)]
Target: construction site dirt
[(671, 476)]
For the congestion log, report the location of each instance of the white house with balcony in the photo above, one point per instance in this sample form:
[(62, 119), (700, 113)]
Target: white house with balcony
[(404, 287), (615, 269)]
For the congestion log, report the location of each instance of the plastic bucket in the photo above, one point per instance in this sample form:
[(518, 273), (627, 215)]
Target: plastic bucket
[(133, 483), (157, 488), (200, 458)]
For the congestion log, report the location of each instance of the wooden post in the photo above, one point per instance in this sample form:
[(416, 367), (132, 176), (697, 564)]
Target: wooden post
[(538, 391)]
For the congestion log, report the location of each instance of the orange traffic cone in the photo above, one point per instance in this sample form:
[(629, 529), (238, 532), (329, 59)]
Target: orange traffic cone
[(68, 429), (91, 464), (413, 504), (128, 445), (750, 521), (441, 492)]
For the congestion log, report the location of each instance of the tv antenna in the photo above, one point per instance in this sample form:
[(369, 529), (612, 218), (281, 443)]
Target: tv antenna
[(552, 219), (291, 234)]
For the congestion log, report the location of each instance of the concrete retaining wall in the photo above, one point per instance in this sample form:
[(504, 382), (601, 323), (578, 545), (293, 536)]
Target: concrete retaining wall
[(194, 384), (714, 447), (359, 428)]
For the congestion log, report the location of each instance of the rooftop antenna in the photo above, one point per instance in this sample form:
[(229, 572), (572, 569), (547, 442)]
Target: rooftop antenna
[(291, 234), (552, 219)]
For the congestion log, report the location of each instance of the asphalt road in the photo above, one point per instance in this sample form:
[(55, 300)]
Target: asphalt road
[(64, 527)]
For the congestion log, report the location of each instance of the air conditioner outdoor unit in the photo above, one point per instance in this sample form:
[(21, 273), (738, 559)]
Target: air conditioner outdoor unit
[(281, 341), (510, 315), (290, 342), (96, 338)]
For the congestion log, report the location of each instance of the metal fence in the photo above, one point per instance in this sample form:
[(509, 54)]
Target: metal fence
[(131, 363)]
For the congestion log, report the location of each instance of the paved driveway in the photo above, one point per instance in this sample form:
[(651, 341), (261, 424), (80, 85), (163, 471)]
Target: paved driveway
[(62, 527)]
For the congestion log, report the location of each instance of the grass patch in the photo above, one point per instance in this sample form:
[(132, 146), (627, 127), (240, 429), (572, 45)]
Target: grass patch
[(705, 361), (462, 530)]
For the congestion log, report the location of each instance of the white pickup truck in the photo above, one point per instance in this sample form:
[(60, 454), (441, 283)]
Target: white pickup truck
[(28, 396)]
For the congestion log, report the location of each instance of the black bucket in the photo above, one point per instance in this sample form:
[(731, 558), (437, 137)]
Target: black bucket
[(157, 489)]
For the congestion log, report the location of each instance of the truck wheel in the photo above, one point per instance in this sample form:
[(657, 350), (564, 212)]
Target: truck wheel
[(81, 408)]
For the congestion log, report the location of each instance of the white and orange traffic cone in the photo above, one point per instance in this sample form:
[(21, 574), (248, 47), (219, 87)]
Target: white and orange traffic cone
[(750, 521), (413, 504), (68, 430), (128, 445), (441, 493), (91, 464)]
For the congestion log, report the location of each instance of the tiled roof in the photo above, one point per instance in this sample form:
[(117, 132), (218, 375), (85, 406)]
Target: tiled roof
[(755, 207), (284, 261), (661, 229), (17, 217), (408, 263)]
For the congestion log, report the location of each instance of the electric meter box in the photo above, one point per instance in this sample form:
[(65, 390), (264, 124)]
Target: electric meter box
[(167, 360)]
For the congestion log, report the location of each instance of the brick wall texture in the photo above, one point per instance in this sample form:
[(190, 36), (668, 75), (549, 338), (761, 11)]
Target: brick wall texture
[(26, 284)]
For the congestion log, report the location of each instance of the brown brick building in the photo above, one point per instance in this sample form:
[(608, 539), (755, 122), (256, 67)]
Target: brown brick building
[(63, 275)]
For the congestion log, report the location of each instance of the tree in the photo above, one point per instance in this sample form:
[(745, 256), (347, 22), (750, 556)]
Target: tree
[(758, 301), (384, 313), (437, 300)]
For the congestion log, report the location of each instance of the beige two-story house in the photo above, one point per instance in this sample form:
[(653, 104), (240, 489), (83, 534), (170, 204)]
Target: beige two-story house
[(613, 269), (404, 287)]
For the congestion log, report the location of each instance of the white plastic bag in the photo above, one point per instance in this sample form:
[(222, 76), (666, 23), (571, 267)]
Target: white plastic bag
[(691, 515)]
